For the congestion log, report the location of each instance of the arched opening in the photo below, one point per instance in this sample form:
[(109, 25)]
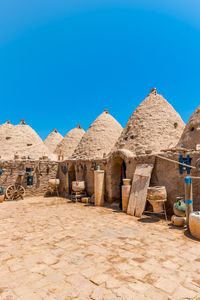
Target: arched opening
[(71, 177), (118, 174)]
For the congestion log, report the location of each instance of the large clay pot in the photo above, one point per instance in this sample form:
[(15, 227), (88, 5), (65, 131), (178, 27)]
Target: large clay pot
[(157, 195), (1, 198), (179, 207), (78, 186), (178, 221), (126, 181), (194, 224), (99, 187), (54, 182), (125, 196)]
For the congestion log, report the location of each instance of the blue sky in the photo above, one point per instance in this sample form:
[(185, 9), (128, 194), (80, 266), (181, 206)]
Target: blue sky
[(64, 62)]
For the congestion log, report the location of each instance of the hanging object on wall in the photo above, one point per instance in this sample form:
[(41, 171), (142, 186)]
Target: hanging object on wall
[(64, 170), (186, 161), (1, 171), (29, 180), (197, 164)]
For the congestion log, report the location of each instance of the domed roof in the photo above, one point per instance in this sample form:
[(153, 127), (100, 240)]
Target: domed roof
[(190, 138), (5, 133), (53, 139), (68, 144), (24, 141), (99, 139), (154, 125)]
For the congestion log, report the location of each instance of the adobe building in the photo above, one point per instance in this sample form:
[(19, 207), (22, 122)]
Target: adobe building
[(69, 143), (91, 151), (153, 126), (52, 140), (25, 159)]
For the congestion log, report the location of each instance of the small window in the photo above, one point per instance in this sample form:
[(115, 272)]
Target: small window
[(175, 125), (132, 137), (192, 129), (8, 138), (126, 139), (29, 145)]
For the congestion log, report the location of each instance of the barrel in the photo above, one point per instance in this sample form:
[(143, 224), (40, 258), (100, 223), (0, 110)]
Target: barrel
[(78, 186), (99, 187), (126, 189), (194, 224), (156, 193)]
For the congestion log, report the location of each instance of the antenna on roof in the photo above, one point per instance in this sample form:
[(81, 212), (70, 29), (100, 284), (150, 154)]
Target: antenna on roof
[(154, 91), (22, 122), (55, 130), (79, 126), (106, 111)]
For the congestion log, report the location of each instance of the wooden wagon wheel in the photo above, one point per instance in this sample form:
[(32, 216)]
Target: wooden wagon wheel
[(15, 191)]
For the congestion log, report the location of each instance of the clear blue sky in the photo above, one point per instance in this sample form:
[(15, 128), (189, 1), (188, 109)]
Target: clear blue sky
[(62, 62)]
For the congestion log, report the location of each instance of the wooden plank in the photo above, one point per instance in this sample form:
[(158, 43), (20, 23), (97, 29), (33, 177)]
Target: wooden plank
[(140, 183)]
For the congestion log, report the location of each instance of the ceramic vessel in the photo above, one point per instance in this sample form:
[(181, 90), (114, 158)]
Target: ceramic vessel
[(194, 224), (178, 221), (78, 186), (179, 207), (126, 181), (125, 196)]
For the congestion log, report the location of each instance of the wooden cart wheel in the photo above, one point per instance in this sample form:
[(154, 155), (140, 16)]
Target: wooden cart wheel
[(14, 192)]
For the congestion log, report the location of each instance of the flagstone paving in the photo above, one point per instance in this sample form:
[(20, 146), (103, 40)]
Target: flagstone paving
[(53, 249)]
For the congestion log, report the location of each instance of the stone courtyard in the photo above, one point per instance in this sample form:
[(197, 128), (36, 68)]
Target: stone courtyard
[(51, 248)]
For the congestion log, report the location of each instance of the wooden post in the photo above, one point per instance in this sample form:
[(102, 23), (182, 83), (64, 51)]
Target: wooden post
[(188, 198)]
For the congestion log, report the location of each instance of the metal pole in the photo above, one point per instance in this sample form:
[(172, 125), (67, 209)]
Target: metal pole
[(188, 198)]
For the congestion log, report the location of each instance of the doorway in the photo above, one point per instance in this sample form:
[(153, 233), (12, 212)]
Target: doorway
[(118, 174), (71, 177)]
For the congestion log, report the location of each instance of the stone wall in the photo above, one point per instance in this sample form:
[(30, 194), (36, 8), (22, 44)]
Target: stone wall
[(14, 171), (79, 170)]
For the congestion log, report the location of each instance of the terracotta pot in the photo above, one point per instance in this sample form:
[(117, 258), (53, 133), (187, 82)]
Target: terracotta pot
[(156, 193), (85, 200), (126, 181), (1, 198), (178, 221), (99, 187), (126, 189), (158, 205), (78, 186)]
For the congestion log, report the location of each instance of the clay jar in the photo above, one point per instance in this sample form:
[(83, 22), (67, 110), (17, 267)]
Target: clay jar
[(179, 207), (194, 224)]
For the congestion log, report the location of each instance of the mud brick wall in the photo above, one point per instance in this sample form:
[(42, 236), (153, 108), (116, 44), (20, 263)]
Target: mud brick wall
[(41, 171), (79, 170)]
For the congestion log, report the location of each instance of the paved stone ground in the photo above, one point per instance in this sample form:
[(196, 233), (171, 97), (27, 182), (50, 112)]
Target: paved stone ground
[(53, 249)]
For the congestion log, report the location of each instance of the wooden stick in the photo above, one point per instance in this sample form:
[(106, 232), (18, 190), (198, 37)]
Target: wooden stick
[(176, 162), (188, 198)]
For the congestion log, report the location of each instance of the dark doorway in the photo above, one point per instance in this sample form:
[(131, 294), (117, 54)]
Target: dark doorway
[(118, 174), (123, 176), (71, 177)]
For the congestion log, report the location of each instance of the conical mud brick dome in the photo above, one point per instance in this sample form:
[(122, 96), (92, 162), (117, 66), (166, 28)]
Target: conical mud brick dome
[(99, 139), (5, 135), (154, 125), (53, 139), (24, 141), (69, 143), (190, 138)]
